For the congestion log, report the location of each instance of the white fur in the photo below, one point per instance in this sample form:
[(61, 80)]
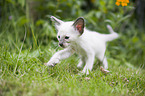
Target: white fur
[(88, 45)]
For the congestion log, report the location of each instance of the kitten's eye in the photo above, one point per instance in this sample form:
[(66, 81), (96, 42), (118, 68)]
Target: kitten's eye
[(66, 37), (58, 36)]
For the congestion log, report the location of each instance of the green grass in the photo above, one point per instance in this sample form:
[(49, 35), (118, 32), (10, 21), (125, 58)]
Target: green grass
[(26, 45), (23, 74)]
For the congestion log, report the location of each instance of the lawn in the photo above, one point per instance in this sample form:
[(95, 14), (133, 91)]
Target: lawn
[(28, 40), (23, 74)]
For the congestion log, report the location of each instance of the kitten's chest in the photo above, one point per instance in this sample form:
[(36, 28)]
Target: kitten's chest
[(78, 48)]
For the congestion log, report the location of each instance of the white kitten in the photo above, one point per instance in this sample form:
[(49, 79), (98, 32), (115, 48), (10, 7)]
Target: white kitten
[(75, 38)]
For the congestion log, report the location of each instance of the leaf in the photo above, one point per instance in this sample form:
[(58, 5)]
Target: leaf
[(11, 1), (108, 21), (135, 39), (123, 18), (98, 14), (22, 20), (39, 22), (102, 3), (21, 2)]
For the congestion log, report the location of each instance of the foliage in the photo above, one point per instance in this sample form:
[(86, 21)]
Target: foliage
[(28, 39), (41, 31)]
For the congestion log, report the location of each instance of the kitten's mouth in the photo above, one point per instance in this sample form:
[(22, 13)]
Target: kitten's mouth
[(64, 45)]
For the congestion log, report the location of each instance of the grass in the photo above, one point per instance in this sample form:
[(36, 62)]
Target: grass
[(23, 74), (22, 71)]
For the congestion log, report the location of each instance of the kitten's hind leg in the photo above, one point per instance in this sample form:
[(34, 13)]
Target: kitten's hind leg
[(81, 62), (103, 59)]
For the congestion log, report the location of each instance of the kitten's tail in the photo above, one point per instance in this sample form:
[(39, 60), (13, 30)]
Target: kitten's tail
[(111, 36)]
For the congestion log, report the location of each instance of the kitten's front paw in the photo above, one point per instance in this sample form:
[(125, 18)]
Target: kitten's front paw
[(52, 63), (86, 71), (83, 73), (79, 66)]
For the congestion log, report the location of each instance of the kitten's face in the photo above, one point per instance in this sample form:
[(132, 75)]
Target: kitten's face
[(68, 32)]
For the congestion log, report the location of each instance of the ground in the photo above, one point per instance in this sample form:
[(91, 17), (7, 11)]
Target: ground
[(24, 74)]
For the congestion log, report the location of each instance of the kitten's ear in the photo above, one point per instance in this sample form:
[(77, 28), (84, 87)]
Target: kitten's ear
[(57, 21), (79, 25)]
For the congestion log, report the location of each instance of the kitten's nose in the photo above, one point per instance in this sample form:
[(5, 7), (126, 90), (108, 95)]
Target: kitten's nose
[(61, 44)]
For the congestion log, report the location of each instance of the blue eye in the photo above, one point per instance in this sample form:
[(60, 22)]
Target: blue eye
[(66, 37)]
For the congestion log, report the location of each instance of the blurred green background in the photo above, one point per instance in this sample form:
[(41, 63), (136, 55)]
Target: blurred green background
[(27, 22)]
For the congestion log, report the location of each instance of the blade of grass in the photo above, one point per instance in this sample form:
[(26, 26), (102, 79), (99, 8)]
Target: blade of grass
[(20, 51)]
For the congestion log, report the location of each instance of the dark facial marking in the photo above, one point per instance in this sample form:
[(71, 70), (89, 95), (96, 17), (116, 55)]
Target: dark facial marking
[(66, 37)]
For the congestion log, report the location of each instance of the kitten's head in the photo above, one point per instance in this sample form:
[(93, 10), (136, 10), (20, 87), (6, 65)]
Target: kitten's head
[(68, 32)]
